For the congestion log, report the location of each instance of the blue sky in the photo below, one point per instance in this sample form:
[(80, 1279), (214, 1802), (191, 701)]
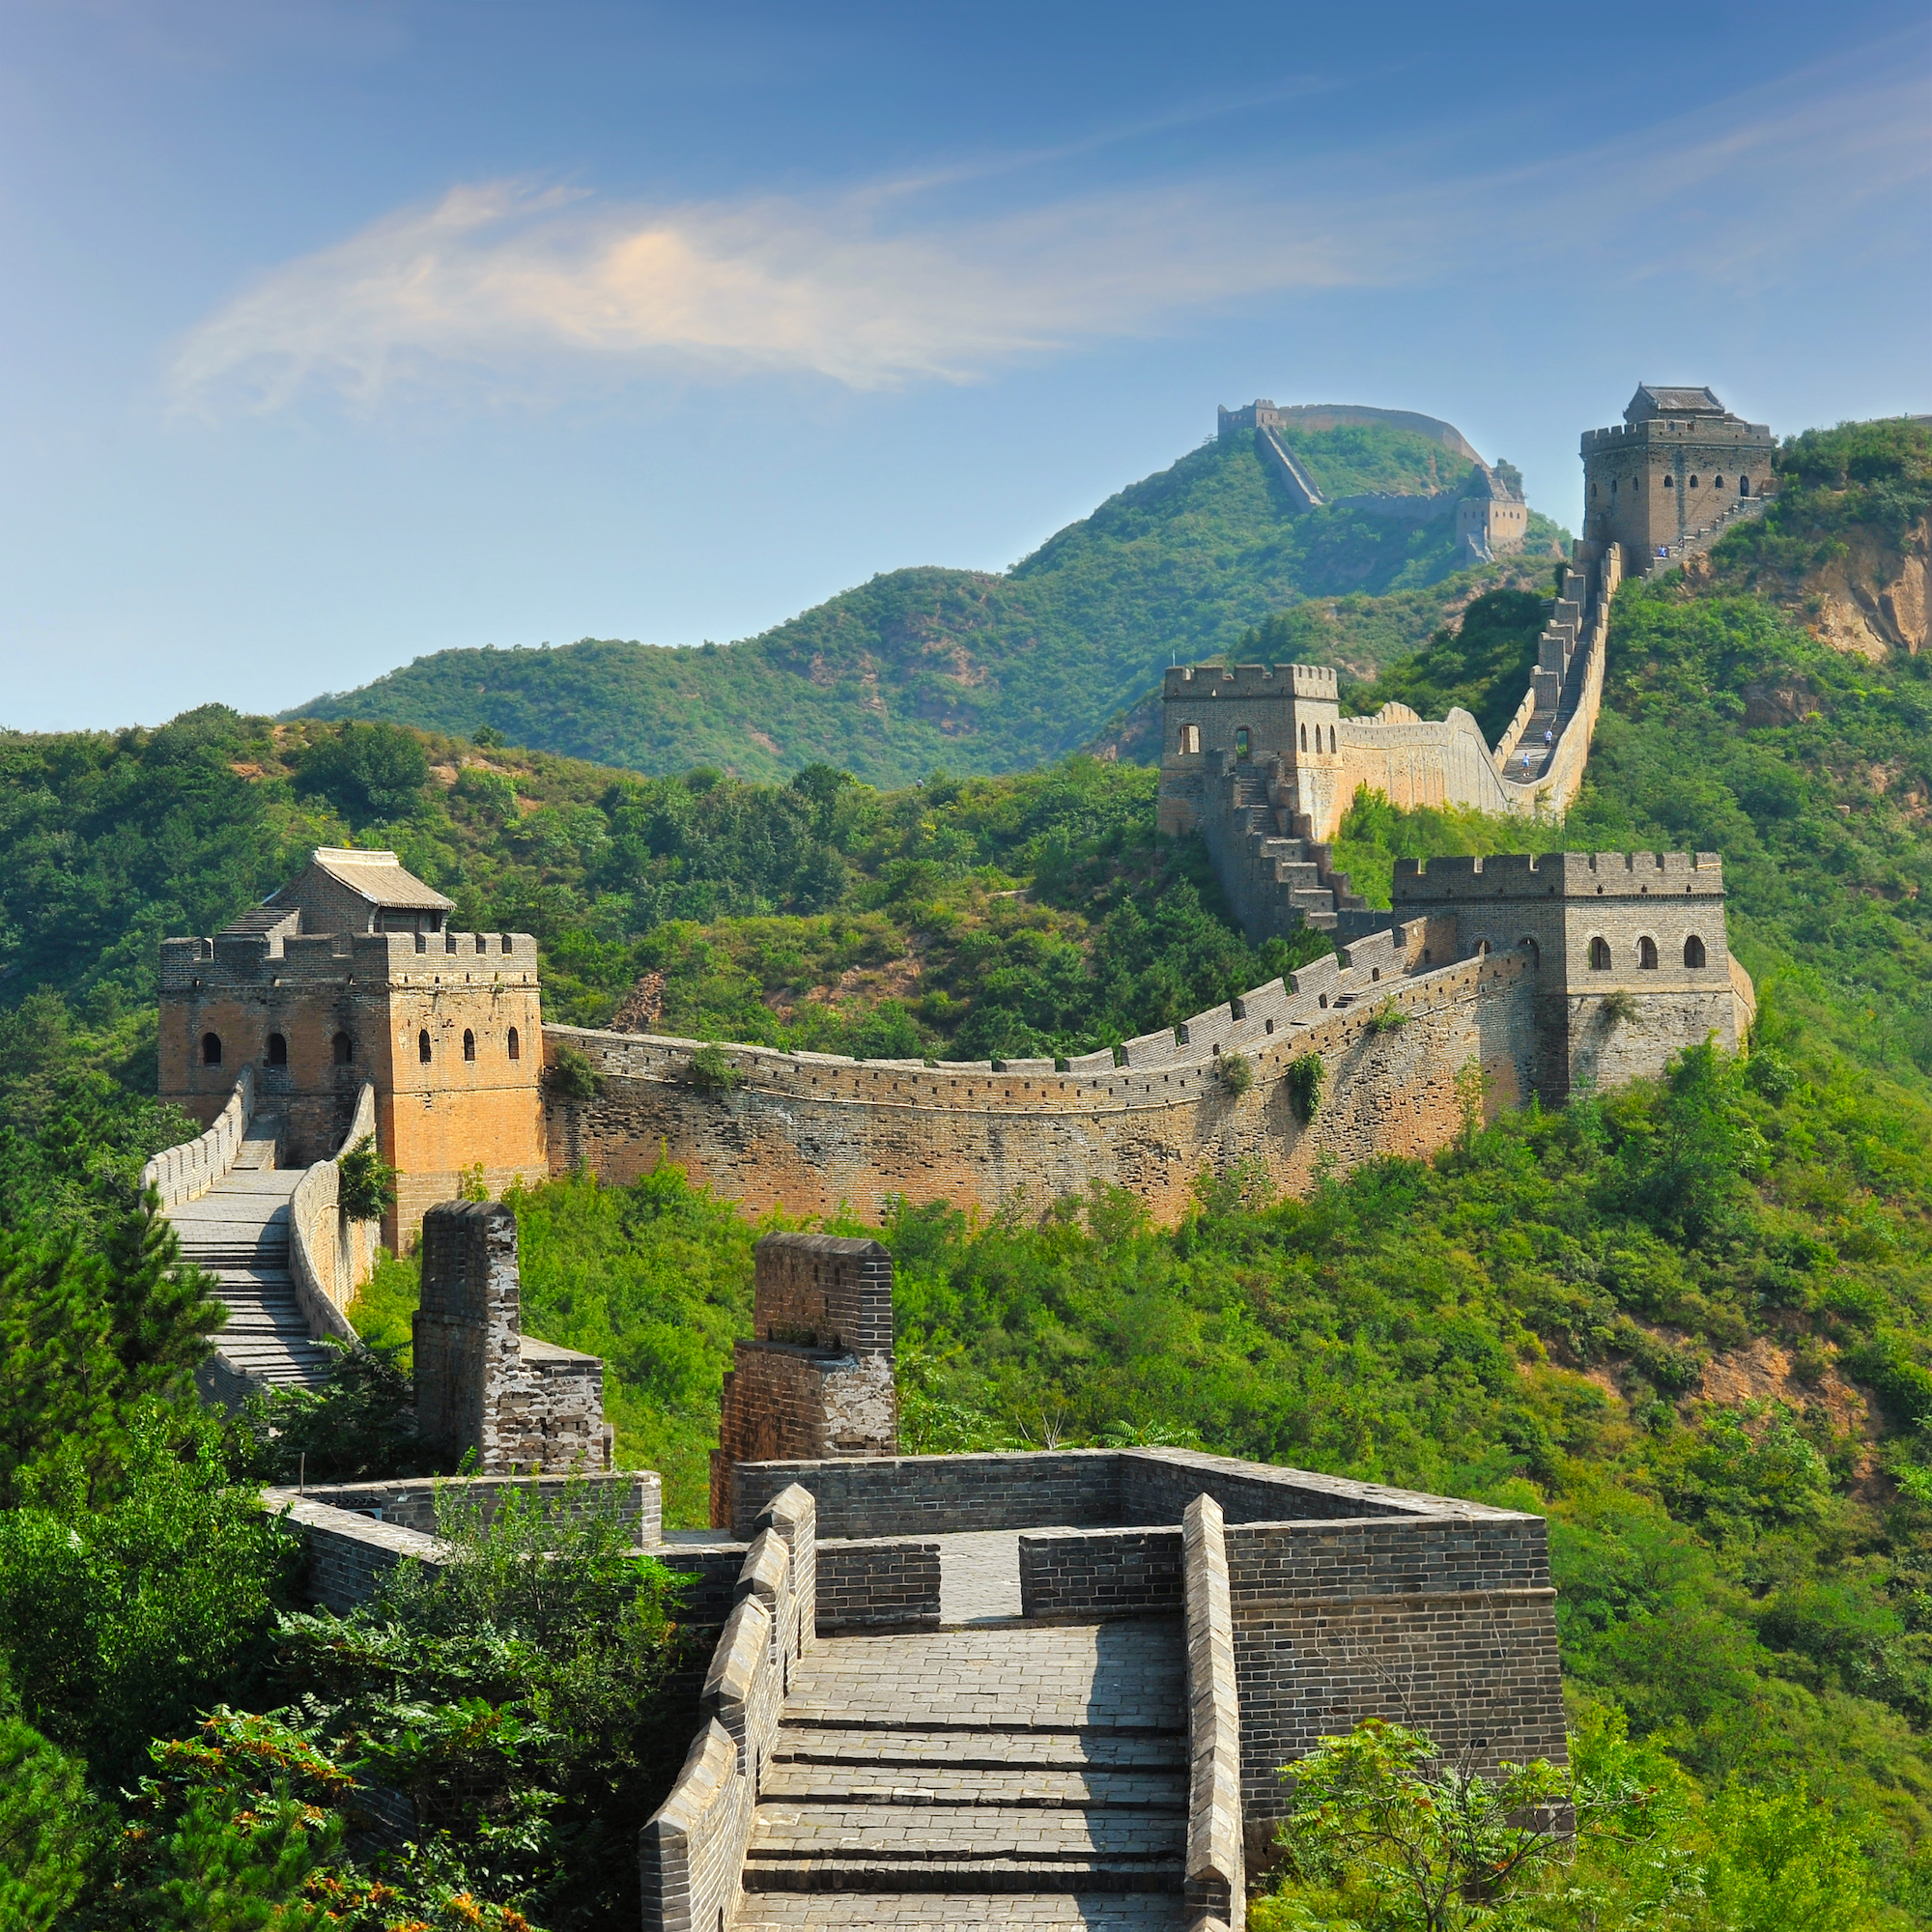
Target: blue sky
[(332, 334)]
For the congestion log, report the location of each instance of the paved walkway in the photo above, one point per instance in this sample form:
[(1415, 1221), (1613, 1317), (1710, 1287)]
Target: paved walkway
[(1028, 1776), (238, 1232)]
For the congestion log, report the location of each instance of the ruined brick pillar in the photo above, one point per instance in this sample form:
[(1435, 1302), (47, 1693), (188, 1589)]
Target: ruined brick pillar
[(525, 1406), (815, 1381)]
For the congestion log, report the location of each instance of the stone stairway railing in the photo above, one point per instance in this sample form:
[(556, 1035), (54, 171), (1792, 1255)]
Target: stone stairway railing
[(693, 1849), (1300, 484), (184, 1172), (330, 1255), (1216, 1888)]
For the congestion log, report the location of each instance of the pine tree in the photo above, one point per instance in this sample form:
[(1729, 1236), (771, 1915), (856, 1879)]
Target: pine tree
[(163, 1311)]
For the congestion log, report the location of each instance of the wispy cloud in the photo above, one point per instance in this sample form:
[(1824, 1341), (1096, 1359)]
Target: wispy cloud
[(515, 283)]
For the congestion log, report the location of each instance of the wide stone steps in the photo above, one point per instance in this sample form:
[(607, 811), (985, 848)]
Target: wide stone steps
[(988, 1775), (953, 1912), (238, 1233)]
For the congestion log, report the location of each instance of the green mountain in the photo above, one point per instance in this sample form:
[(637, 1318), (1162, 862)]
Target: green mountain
[(967, 671)]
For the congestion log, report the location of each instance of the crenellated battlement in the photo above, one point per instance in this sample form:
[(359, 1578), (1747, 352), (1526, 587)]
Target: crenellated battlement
[(276, 958), (1316, 682), (1558, 874)]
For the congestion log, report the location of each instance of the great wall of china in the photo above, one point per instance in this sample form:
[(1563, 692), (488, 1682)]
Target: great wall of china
[(1051, 1689)]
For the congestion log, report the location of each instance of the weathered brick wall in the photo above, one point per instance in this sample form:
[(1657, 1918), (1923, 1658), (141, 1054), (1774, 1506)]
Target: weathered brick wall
[(634, 1497), (1157, 1484), (1076, 1576), (882, 1581), (1443, 1623), (808, 1133), (913, 1496), (816, 1379), (524, 1406)]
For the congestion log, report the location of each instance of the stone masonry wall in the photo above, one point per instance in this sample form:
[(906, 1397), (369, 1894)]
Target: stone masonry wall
[(815, 1381), (868, 1582), (522, 1404), (1446, 1624), (808, 1133), (1078, 1575)]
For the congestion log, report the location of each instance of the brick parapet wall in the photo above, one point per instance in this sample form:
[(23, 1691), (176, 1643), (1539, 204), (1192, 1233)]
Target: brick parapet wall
[(355, 1533), (909, 1495), (877, 1582), (1085, 1575), (691, 1851), (812, 1133)]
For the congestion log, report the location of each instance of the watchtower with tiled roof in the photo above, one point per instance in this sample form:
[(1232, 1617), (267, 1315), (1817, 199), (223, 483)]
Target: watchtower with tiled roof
[(1679, 470), (349, 973)]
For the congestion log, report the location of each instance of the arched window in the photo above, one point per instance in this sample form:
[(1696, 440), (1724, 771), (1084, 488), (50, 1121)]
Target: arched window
[(1482, 948), (1693, 482), (1243, 743), (343, 1048), (506, 945), (1670, 483), (515, 1046), (1331, 737), (1743, 486), (470, 1039), (1304, 737), (1693, 952), (1534, 950), (211, 1049), (1600, 955), (1593, 489), (1716, 482), (1646, 954), (422, 1047), (278, 1050)]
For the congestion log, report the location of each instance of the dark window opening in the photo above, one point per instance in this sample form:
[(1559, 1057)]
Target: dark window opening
[(515, 1046), (1600, 955), (1331, 737), (343, 1048), (278, 1050), (1646, 954), (1243, 743), (482, 942), (1743, 486), (1693, 951), (211, 1049), (422, 1047), (468, 1044), (422, 944), (1534, 950), (1669, 483), (506, 946), (1693, 482), (1482, 948), (1304, 737)]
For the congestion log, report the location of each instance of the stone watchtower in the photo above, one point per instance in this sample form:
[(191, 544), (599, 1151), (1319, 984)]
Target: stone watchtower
[(349, 974), (1682, 463), (523, 1406), (815, 1381), (1632, 959)]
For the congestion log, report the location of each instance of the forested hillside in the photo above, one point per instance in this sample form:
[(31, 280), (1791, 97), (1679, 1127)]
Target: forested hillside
[(971, 670), (1691, 1322)]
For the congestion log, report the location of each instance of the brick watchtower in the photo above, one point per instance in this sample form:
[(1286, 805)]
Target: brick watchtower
[(1681, 463), (347, 974), (1632, 962)]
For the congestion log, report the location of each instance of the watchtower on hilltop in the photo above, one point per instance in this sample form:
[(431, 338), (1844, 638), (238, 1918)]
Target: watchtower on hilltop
[(1628, 947), (349, 973), (1680, 470)]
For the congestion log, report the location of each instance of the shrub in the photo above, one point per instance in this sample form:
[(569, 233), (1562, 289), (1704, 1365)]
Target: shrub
[(711, 1070), (571, 1074), (1238, 1073), (365, 1182), (1388, 1017), (1304, 1086)]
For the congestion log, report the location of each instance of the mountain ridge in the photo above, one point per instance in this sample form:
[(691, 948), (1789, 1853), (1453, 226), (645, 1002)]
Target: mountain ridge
[(932, 667)]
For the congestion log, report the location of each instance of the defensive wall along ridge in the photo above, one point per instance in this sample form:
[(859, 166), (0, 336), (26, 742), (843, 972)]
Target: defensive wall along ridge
[(1505, 977)]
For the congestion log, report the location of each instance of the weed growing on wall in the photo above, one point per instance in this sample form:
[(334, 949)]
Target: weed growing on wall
[(1303, 1080)]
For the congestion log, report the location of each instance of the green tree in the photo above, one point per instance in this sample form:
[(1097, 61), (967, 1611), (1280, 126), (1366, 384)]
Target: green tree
[(50, 1830), (368, 772)]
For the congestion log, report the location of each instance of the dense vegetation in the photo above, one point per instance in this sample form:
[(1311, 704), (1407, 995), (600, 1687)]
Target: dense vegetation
[(967, 669), (1691, 1322)]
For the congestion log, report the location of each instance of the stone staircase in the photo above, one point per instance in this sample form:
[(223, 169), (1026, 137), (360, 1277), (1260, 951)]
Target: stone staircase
[(1699, 541), (1279, 880), (238, 1232), (1004, 1774)]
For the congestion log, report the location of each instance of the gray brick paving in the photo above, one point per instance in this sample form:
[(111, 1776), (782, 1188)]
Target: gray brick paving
[(979, 1575)]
